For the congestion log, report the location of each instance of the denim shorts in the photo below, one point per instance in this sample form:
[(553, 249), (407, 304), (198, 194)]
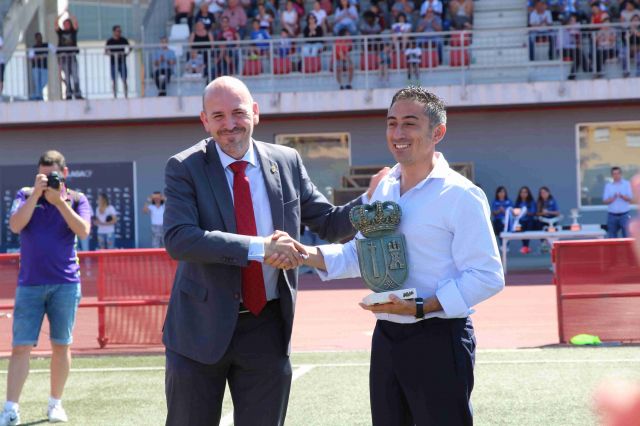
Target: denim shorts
[(58, 301)]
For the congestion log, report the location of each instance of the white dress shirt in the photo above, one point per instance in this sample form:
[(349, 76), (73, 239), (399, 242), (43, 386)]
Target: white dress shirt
[(261, 212), (618, 205), (451, 249)]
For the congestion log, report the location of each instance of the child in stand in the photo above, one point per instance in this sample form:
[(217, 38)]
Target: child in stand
[(414, 56)]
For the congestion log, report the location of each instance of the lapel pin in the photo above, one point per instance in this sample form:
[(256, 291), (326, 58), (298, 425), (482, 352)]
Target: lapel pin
[(274, 168)]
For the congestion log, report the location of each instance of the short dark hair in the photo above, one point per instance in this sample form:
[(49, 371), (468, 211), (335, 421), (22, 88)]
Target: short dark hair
[(51, 157), (614, 168), (105, 197), (434, 107), (116, 27)]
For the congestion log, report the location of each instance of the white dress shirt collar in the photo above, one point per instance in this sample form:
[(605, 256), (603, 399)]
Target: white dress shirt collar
[(440, 171), (249, 156)]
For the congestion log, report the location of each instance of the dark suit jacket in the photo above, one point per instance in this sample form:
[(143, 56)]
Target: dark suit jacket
[(200, 232)]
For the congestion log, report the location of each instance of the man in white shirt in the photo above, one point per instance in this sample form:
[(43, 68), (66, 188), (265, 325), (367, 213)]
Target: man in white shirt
[(154, 207), (423, 350), (617, 196), (436, 5)]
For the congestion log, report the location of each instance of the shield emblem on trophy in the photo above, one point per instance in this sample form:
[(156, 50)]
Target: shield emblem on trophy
[(382, 254)]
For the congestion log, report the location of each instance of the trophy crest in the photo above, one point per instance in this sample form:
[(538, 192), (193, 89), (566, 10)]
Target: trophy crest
[(381, 254)]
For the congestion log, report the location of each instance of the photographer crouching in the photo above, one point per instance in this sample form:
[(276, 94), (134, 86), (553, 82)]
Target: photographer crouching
[(48, 218)]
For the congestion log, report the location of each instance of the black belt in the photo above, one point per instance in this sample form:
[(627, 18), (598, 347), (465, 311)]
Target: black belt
[(243, 309), (619, 214)]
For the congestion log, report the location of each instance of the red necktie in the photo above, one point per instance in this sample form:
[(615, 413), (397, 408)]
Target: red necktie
[(253, 293)]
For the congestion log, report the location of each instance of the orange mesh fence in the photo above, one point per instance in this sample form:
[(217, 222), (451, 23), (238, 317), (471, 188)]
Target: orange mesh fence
[(131, 290), (598, 289)]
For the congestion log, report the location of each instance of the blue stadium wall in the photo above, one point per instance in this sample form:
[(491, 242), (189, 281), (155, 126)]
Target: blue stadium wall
[(512, 147)]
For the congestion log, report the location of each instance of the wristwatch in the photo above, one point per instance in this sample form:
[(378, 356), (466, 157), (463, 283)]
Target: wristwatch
[(419, 307)]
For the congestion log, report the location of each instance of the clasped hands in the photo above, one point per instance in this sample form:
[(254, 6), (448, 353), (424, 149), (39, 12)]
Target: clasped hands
[(283, 252)]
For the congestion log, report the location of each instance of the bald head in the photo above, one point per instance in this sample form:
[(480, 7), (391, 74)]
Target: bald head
[(226, 84), (229, 114)]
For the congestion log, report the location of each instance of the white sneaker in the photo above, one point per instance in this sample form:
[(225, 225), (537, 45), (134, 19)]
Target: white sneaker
[(9, 418), (57, 414)]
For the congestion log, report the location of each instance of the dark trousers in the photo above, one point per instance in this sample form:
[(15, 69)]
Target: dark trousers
[(422, 374), (256, 367), (162, 78)]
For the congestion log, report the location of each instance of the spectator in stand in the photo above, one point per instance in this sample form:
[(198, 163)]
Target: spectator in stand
[(385, 62), (154, 207), (205, 16), (630, 10), (527, 221), (265, 17), (461, 12), (38, 56), (1, 68), (201, 41), (311, 33), (117, 48), (431, 23), (598, 13), (320, 14), (226, 59), (285, 45), (289, 19), (436, 5), (298, 5), (634, 45), (402, 7), (195, 64), (327, 5), (617, 196), (499, 206), (370, 26), (606, 48), (413, 53), (571, 39), (105, 219), (346, 17), (216, 7), (399, 31), (163, 62), (377, 12), (184, 10), (546, 205), (68, 54), (344, 64), (237, 17), (258, 34), (540, 17)]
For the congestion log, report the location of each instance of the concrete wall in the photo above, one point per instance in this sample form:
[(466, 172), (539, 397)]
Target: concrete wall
[(508, 147)]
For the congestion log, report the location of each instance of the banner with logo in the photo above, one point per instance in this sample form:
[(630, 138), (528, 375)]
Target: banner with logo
[(117, 180)]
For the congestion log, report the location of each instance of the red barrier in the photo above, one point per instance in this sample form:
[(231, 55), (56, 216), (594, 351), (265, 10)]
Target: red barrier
[(132, 289), (598, 289)]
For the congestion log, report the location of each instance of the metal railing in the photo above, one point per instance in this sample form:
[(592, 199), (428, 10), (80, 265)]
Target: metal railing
[(359, 62)]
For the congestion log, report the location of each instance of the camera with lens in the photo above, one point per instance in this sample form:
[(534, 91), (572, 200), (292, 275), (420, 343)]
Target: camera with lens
[(54, 179)]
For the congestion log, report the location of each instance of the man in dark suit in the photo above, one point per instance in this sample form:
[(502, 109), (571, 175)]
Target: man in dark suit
[(230, 314)]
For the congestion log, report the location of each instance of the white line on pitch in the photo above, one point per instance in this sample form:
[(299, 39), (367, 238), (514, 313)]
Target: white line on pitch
[(298, 372), (305, 368)]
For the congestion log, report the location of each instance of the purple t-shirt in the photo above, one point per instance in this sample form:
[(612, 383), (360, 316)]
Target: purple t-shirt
[(47, 244)]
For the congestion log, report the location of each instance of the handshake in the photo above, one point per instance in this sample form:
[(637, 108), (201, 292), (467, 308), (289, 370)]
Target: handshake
[(283, 252)]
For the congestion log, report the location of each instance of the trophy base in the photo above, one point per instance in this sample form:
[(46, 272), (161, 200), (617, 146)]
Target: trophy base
[(383, 297)]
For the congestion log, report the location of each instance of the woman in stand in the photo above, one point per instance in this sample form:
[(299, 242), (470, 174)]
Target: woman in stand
[(499, 207), (527, 221)]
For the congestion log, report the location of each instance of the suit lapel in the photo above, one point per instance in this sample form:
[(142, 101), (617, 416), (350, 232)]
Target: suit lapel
[(271, 174), (218, 183)]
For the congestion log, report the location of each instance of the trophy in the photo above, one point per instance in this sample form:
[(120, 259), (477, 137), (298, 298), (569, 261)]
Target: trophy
[(382, 254), (516, 213), (575, 226)]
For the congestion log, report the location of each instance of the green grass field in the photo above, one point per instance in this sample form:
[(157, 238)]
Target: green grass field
[(520, 387)]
